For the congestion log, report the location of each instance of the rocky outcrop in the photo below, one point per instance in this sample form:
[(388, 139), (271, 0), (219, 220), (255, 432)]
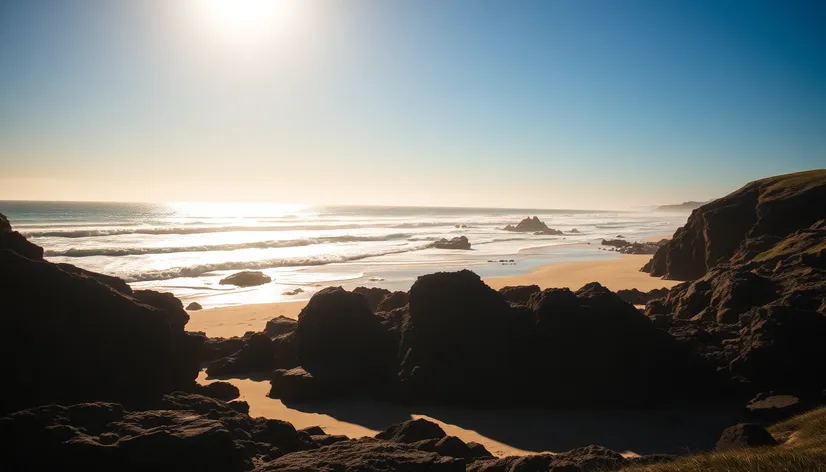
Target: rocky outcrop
[(459, 335), (745, 435), (374, 295), (636, 297), (520, 294), (393, 301), (280, 325), (532, 225), (764, 316), (618, 243), (246, 278), (71, 338), (459, 242), (341, 344), (742, 225), (14, 241), (194, 306), (365, 455), (257, 354), (584, 459), (182, 432), (412, 431), (646, 247)]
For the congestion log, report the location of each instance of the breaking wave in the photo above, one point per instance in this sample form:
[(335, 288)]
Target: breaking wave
[(201, 269), (136, 251)]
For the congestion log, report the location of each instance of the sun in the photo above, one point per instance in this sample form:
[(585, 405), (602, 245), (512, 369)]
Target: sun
[(247, 21)]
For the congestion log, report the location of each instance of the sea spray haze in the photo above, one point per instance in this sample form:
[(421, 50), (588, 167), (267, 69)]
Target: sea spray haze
[(188, 248)]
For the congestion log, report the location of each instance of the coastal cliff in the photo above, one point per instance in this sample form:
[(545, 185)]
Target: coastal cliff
[(742, 224)]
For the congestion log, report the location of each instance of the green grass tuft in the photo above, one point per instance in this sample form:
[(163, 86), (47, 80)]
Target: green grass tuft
[(803, 449)]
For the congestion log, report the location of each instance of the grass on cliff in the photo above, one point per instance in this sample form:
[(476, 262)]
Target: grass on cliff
[(803, 449), (789, 246)]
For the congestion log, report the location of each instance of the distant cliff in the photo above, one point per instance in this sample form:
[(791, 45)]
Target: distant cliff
[(742, 224), (684, 207)]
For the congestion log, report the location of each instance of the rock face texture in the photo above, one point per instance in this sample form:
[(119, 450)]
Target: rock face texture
[(246, 279), (762, 318), (182, 432), (745, 435), (462, 342), (459, 242), (742, 225), (71, 338)]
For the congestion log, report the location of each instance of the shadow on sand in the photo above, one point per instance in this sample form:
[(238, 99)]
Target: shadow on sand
[(668, 431)]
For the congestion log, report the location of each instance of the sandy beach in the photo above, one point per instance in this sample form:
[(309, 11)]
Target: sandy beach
[(356, 419)]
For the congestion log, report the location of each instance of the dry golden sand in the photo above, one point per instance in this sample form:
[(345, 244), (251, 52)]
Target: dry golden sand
[(620, 273)]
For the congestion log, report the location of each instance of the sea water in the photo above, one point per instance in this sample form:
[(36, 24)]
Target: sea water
[(187, 248)]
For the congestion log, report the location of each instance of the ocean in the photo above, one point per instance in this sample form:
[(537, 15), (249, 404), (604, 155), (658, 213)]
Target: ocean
[(187, 248)]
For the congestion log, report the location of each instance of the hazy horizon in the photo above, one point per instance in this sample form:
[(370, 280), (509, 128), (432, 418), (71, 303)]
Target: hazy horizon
[(530, 104)]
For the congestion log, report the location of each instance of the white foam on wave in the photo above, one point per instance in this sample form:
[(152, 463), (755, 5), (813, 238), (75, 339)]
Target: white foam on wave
[(138, 250), (202, 269)]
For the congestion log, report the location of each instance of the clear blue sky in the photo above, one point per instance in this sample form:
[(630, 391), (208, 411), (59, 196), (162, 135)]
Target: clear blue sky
[(436, 102)]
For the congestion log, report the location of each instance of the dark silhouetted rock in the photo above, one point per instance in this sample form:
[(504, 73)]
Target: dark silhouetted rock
[(246, 278), (462, 342), (280, 325), (294, 291), (365, 455), (217, 348), (313, 431), (374, 295), (574, 231), (739, 226), (452, 446), (168, 303), (393, 301), (459, 242), (14, 241), (635, 297), (70, 338), (340, 339), (114, 282), (618, 243), (745, 435), (532, 225), (519, 294), (221, 390), (194, 306), (257, 354), (412, 431), (584, 459), (298, 385)]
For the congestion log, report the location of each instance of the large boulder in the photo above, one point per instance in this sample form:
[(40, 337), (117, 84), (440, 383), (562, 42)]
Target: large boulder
[(71, 338), (412, 431), (280, 325), (740, 225), (340, 339), (298, 385), (246, 278), (745, 435), (459, 242)]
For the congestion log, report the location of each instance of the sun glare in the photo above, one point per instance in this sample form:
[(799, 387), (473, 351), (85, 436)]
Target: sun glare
[(248, 21)]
